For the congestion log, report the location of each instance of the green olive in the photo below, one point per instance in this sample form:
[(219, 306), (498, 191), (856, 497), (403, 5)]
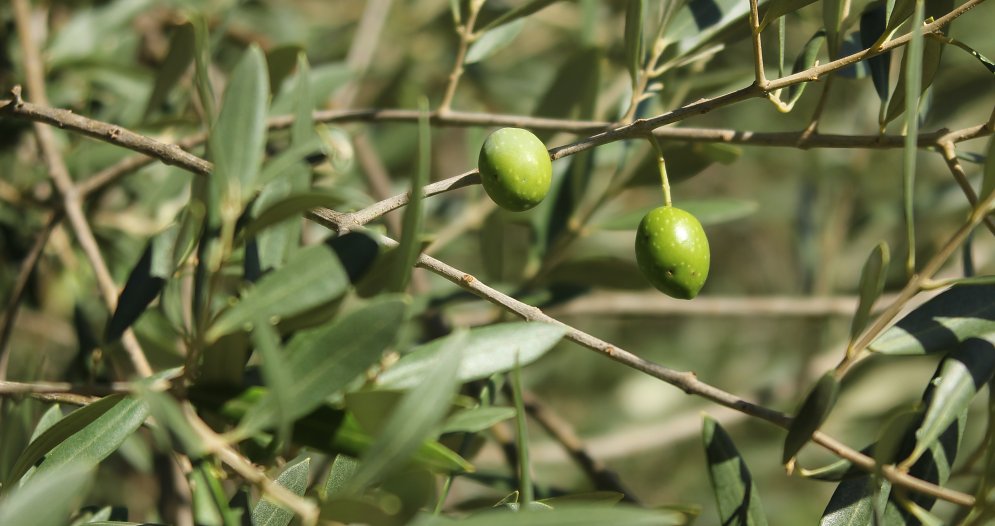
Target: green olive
[(672, 252), (515, 169)]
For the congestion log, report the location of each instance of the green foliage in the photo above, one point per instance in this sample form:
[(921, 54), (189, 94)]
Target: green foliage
[(249, 245)]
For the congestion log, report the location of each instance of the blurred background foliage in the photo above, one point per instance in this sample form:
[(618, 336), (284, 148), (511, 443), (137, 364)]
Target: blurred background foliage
[(785, 221)]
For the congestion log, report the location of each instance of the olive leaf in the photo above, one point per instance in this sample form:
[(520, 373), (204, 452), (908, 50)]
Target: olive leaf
[(813, 412)]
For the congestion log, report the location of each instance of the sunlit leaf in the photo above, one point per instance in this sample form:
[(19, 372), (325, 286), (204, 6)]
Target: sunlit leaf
[(294, 478), (962, 312), (311, 278), (493, 41), (342, 470), (98, 439), (416, 416), (487, 350), (477, 419), (325, 360), (962, 374), (236, 142), (58, 433)]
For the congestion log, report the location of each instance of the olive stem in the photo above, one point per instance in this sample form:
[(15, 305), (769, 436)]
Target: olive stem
[(662, 165)]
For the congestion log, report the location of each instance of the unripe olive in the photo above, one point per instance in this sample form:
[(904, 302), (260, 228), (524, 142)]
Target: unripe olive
[(515, 168), (672, 252)]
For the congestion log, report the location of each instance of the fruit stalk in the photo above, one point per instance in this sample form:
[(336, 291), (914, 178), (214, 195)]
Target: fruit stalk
[(662, 166)]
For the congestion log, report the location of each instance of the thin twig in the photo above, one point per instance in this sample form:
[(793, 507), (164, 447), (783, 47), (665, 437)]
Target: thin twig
[(687, 381), (213, 443), (20, 285), (758, 54), (949, 154), (35, 80), (466, 37), (915, 284)]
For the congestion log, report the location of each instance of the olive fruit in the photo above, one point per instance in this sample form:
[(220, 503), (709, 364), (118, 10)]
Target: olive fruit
[(515, 169), (672, 251)]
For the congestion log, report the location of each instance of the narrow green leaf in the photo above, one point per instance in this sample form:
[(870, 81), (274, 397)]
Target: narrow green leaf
[(775, 9), (985, 61), (276, 374), (236, 142), (47, 499), (900, 12), (410, 243), (339, 475), (416, 417), (576, 515), (806, 59), (167, 413), (833, 13), (735, 493), (294, 478), (961, 375), (324, 361), (634, 13), (139, 291), (372, 407), (522, 440), (177, 61), (493, 41), (913, 83), (488, 350), (47, 420), (278, 243), (58, 433), (931, 54), (521, 11), (202, 63), (855, 501), (311, 278), (872, 26), (701, 23), (353, 440), (858, 499), (210, 502), (813, 412), (872, 279), (477, 419), (280, 63), (99, 438), (962, 312), (988, 180)]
